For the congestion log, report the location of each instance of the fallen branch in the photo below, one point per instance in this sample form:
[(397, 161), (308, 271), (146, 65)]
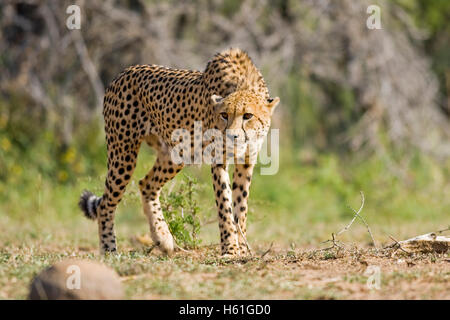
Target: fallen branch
[(426, 243)]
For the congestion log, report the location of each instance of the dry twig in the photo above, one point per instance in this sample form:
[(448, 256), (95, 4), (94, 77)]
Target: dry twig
[(347, 227), (397, 245), (267, 251), (443, 230), (355, 216), (180, 248), (245, 239), (335, 243)]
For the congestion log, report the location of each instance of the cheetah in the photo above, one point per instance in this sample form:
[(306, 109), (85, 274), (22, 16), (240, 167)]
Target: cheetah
[(148, 103)]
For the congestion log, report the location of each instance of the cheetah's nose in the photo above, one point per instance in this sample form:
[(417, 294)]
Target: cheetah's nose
[(232, 136)]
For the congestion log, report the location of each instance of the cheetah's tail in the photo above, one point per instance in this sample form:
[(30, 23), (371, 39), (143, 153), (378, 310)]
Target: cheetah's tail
[(88, 204)]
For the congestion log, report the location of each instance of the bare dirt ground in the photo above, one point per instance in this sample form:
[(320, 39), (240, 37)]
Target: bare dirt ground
[(280, 273), (353, 275), (313, 274)]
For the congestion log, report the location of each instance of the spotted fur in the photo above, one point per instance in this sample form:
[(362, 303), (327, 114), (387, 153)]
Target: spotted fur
[(146, 103)]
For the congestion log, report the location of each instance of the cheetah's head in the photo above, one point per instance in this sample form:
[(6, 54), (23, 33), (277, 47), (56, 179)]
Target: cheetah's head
[(244, 116)]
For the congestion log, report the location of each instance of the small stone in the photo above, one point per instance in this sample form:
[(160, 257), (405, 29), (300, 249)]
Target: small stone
[(76, 280)]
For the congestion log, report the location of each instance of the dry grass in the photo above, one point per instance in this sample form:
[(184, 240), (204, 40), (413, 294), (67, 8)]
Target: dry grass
[(40, 225), (282, 273)]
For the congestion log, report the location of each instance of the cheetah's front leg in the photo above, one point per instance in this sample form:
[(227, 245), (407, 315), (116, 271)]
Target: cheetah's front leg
[(228, 232), (242, 178)]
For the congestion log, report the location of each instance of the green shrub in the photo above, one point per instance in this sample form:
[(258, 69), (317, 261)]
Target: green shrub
[(181, 211)]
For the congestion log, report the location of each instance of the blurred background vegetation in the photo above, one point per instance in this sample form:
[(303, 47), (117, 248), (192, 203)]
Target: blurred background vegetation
[(360, 109)]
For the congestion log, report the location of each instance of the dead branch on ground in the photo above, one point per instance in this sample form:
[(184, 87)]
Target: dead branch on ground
[(357, 214)]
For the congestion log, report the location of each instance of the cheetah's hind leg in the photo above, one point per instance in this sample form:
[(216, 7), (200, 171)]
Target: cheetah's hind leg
[(102, 209)]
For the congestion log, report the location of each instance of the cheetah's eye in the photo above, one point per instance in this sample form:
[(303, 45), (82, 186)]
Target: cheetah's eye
[(224, 115), (248, 116)]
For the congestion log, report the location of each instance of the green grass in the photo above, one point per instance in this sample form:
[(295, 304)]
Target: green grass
[(302, 203)]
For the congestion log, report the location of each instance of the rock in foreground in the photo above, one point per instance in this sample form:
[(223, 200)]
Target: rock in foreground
[(76, 280)]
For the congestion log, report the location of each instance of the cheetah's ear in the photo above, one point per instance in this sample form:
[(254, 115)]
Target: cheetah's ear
[(217, 101), (272, 104)]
